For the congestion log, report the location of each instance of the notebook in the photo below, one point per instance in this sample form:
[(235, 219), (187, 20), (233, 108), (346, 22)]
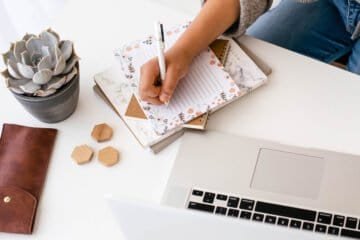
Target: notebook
[(220, 47), (206, 87), (107, 85), (118, 92)]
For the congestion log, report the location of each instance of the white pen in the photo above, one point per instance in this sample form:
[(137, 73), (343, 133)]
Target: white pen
[(160, 40)]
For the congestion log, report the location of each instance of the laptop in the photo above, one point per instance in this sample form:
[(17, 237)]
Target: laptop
[(139, 221), (267, 183)]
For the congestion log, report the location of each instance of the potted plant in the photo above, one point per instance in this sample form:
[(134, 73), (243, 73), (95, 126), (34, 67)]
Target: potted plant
[(42, 72)]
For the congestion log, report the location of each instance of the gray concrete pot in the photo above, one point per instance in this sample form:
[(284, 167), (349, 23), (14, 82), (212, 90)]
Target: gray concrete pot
[(56, 107)]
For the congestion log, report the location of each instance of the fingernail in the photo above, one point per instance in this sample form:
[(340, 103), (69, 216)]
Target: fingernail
[(165, 98)]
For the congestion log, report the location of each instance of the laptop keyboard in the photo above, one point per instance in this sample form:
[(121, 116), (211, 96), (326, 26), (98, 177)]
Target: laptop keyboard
[(275, 214)]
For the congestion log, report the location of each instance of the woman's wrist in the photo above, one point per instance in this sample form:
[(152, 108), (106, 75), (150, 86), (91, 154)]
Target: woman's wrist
[(181, 53)]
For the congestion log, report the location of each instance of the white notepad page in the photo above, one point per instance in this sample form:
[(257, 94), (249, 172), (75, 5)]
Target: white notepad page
[(207, 85)]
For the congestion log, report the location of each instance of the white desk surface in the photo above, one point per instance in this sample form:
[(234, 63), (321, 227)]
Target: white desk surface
[(306, 103)]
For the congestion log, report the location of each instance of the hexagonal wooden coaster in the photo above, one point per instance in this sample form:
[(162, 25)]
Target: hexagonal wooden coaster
[(82, 154), (102, 132), (108, 156)]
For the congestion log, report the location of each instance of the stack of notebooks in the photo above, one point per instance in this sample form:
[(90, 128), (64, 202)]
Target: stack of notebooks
[(218, 76)]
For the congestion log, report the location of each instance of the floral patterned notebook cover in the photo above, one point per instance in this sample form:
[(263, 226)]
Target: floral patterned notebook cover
[(208, 85)]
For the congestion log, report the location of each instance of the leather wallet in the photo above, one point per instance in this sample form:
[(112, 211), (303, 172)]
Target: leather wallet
[(24, 157)]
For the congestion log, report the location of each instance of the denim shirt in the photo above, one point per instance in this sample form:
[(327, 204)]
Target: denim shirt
[(250, 10), (350, 11)]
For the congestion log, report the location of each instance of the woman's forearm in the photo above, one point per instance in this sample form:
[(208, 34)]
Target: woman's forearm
[(215, 18)]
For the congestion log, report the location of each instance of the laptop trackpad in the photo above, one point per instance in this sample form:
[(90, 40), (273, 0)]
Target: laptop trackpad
[(288, 173)]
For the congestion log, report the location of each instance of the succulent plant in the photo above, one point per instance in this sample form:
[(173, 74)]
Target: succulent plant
[(40, 65)]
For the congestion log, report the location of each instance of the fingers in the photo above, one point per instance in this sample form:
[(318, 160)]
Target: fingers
[(169, 85), (149, 73), (154, 101)]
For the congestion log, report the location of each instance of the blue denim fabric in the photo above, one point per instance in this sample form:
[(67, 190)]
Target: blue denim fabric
[(321, 30)]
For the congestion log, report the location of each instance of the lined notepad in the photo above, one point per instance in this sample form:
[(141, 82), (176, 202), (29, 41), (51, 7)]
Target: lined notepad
[(207, 85)]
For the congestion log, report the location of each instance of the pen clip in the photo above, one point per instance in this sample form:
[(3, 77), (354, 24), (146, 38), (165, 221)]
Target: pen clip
[(162, 33)]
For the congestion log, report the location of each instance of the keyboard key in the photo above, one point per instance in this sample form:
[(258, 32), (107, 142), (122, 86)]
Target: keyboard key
[(320, 228), (201, 207), (221, 197), (245, 215), (247, 204), (209, 197), (295, 224), (351, 222), (233, 212), (339, 220), (308, 226), (333, 231), (197, 193), (258, 217), (350, 233), (233, 202), (285, 211), (270, 219), (283, 222), (324, 218), (220, 210)]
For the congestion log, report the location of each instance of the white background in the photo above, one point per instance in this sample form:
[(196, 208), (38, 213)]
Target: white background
[(20, 16)]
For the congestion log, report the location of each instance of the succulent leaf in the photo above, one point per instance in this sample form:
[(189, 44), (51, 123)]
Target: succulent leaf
[(66, 49), (12, 68), (36, 58), (57, 53), (16, 83), (60, 65), (45, 63), (56, 82), (16, 90), (45, 93), (45, 51), (8, 56), (5, 74), (30, 87), (71, 75), (54, 33), (42, 77), (34, 45), (25, 58), (27, 36), (25, 70), (18, 49), (70, 65), (49, 39)]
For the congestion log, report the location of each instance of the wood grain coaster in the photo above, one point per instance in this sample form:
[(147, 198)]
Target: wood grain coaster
[(108, 156), (102, 132), (82, 154)]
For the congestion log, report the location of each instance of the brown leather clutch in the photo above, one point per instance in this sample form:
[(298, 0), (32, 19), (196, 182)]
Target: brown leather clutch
[(24, 157)]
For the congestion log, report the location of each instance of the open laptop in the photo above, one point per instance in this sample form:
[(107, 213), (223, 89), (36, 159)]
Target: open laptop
[(306, 190), (139, 221)]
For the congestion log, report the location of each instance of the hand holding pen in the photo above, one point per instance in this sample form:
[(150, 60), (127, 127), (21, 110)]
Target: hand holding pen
[(169, 67)]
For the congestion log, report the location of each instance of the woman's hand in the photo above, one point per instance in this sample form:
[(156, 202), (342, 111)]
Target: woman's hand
[(215, 17), (177, 65)]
